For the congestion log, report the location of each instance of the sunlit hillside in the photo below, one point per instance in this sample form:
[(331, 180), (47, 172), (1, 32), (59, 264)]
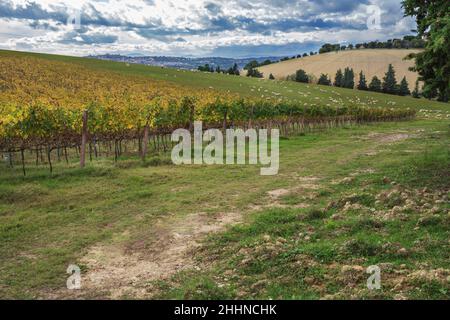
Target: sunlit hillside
[(373, 62)]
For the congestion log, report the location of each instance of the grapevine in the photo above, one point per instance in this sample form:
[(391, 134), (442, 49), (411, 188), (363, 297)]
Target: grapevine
[(42, 105)]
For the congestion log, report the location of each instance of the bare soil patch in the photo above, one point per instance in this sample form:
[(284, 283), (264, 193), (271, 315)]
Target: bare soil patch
[(389, 138), (117, 271)]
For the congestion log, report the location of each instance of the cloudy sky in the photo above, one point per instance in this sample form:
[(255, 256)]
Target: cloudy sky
[(228, 28)]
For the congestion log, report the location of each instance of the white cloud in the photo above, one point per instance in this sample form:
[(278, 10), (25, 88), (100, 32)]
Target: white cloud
[(190, 27)]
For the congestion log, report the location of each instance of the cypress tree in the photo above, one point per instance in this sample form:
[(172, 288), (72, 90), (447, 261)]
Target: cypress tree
[(362, 85), (236, 70), (403, 90), (375, 84), (349, 78), (338, 79), (301, 76), (324, 80), (416, 93), (389, 82)]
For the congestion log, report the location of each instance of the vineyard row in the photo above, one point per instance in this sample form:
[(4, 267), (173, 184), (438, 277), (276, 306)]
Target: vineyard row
[(37, 127)]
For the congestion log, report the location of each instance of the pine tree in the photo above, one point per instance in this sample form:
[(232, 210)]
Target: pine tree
[(301, 76), (375, 84), (271, 77), (338, 79), (416, 93), (362, 85), (349, 78), (324, 80), (403, 89), (236, 69), (389, 82)]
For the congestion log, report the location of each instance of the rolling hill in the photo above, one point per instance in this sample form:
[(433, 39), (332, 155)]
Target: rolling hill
[(371, 61), (289, 90), (155, 230)]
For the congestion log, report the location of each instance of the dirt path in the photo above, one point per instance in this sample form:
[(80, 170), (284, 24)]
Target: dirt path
[(117, 271), (385, 139)]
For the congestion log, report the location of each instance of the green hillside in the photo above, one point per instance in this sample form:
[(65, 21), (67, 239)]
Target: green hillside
[(305, 93), (344, 199)]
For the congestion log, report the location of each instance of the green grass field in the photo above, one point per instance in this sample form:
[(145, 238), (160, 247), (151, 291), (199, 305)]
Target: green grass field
[(344, 199)]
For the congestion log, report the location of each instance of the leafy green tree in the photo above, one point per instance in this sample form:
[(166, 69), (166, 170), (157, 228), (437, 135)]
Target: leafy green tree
[(251, 65), (430, 93), (206, 68), (324, 80), (349, 78), (416, 93), (328, 47), (362, 84), (339, 78), (403, 89), (433, 63), (375, 84), (389, 82), (301, 76), (254, 73)]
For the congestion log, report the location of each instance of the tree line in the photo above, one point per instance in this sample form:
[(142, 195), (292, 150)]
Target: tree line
[(346, 79), (408, 42), (433, 35), (234, 70)]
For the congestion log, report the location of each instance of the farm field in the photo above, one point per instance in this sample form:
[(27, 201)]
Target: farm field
[(344, 199), (373, 62)]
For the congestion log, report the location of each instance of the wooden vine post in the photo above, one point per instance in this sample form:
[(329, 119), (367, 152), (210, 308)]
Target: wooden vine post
[(145, 142), (224, 123), (23, 161), (191, 119), (84, 133)]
